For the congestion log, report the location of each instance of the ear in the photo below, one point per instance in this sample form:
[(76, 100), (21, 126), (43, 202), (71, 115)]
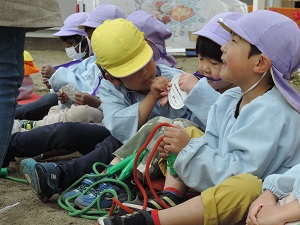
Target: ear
[(263, 64), (112, 79)]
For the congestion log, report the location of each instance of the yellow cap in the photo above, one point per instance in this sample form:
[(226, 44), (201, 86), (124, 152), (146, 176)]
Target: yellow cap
[(27, 56), (29, 67), (120, 47)]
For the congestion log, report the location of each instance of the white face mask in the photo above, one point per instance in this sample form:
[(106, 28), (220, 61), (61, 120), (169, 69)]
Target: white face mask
[(72, 54)]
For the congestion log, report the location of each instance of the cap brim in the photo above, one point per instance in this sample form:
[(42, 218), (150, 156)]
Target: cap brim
[(133, 65), (89, 24), (67, 33), (286, 89), (212, 36), (231, 25)]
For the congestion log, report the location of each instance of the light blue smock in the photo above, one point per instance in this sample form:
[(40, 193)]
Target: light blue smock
[(261, 141), (281, 185), (120, 107), (199, 101), (84, 76)]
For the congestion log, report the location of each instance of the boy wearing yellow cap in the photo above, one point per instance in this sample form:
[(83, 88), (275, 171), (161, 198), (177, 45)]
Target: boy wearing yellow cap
[(133, 82)]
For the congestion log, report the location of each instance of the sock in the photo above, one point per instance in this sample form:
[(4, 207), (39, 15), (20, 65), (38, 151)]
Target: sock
[(155, 217), (173, 191)]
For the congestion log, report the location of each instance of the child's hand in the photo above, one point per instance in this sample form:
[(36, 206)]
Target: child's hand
[(62, 97), (187, 82), (47, 71), (161, 150), (159, 89), (176, 138), (86, 99), (46, 82), (266, 198), (270, 215)]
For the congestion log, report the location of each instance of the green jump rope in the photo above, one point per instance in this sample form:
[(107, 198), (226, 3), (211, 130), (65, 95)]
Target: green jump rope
[(4, 174)]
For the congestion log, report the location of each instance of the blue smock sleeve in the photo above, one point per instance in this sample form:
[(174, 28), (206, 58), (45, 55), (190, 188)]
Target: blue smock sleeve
[(281, 185)]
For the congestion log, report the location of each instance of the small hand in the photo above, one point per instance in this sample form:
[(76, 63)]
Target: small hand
[(47, 71), (187, 82)]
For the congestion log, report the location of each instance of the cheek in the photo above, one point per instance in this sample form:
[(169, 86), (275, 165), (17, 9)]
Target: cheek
[(215, 72)]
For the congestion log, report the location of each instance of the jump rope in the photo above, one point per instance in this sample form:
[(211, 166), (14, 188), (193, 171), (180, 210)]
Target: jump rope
[(125, 168)]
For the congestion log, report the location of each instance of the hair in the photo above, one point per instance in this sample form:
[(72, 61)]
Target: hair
[(253, 51), (208, 48), (76, 37)]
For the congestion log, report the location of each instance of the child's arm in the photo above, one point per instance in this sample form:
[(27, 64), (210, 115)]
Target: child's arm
[(87, 99), (266, 198), (187, 82), (159, 88), (175, 139), (278, 215)]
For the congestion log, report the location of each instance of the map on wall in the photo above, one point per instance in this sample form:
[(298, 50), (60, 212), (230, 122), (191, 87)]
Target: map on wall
[(183, 16)]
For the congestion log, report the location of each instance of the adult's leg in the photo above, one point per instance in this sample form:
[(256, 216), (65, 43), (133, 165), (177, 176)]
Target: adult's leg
[(11, 76), (76, 168), (80, 137), (38, 109)]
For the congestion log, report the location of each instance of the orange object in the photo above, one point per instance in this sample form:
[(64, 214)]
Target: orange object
[(29, 67), (292, 13)]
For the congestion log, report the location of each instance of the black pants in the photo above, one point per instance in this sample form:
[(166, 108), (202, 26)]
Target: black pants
[(80, 137), (37, 110), (71, 171)]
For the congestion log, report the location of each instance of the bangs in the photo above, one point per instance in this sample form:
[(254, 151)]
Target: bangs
[(208, 48)]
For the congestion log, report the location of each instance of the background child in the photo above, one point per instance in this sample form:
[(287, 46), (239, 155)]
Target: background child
[(279, 202), (27, 86), (239, 138), (71, 36)]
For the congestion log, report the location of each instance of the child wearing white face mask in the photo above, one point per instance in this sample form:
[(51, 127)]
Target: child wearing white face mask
[(80, 73)]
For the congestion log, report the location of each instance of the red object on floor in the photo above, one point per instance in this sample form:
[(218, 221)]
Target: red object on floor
[(33, 98)]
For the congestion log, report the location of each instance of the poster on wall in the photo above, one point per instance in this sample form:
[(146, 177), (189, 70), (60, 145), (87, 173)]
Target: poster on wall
[(183, 16)]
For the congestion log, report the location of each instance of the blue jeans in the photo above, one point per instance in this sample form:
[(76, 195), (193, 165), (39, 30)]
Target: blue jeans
[(11, 76)]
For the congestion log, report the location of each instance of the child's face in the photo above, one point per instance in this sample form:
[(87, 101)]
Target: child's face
[(211, 68), (236, 64), (142, 79)]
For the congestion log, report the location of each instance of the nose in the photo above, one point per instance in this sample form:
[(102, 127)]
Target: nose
[(205, 68), (224, 47)]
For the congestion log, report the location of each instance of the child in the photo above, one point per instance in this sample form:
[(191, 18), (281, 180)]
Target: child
[(27, 86), (266, 209), (241, 136), (133, 84), (128, 101), (71, 36), (84, 76), (208, 47)]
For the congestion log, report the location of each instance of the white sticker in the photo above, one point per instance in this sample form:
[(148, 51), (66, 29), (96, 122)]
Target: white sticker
[(70, 91), (176, 96)]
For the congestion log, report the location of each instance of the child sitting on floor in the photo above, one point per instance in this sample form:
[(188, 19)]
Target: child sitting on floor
[(242, 138)]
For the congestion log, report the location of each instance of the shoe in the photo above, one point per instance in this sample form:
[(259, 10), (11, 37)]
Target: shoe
[(167, 197), (27, 124), (84, 201), (141, 217), (42, 177), (78, 190)]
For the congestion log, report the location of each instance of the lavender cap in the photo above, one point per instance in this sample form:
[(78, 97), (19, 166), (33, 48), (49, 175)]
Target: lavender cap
[(277, 37), (156, 32), (71, 23), (214, 31), (101, 13)]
